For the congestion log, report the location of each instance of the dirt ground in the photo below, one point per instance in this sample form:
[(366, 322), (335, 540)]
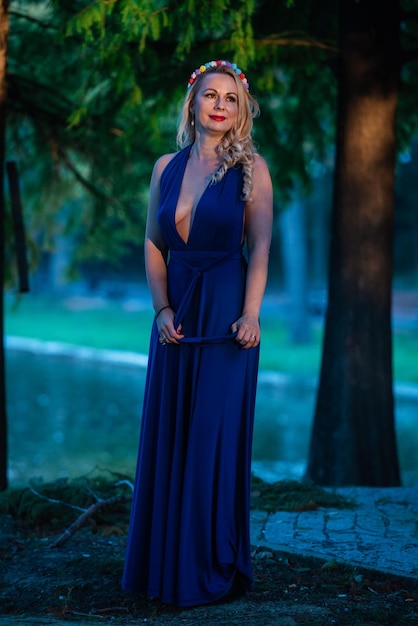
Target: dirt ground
[(80, 583)]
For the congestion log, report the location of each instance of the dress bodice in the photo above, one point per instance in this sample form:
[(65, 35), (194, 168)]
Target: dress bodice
[(219, 217)]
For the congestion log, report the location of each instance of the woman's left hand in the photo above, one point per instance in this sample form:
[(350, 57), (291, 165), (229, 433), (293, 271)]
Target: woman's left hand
[(248, 331)]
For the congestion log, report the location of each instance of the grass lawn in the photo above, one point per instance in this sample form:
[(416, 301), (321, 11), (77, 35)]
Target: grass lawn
[(118, 326)]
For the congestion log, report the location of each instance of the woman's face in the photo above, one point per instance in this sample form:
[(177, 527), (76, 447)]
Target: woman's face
[(216, 104)]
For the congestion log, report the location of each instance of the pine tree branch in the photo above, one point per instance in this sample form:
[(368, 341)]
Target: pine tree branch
[(85, 182), (30, 18), (59, 117), (290, 39), (19, 85)]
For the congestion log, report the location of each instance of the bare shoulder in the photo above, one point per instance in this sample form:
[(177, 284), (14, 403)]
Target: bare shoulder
[(260, 165), (161, 164), (261, 176)]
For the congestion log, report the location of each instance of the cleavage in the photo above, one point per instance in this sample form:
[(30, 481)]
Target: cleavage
[(194, 184)]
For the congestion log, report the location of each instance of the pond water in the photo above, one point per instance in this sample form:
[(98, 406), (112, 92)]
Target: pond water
[(69, 416)]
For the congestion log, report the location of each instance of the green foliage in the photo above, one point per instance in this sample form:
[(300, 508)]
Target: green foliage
[(77, 116), (183, 24), (81, 175), (142, 19), (94, 91), (407, 119), (93, 101), (90, 21)]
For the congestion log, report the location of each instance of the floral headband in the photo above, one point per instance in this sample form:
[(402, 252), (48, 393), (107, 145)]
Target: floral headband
[(210, 64)]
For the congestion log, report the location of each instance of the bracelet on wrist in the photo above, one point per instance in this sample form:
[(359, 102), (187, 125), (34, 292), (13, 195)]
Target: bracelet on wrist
[(167, 306)]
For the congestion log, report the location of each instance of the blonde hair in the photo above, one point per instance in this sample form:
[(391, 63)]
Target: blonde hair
[(236, 146)]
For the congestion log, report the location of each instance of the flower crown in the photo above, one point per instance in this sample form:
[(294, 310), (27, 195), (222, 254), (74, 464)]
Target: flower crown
[(210, 64)]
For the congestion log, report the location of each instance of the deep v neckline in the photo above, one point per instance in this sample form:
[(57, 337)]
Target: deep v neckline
[(195, 207)]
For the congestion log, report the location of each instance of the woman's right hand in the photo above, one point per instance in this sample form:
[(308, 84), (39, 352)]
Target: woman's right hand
[(166, 331)]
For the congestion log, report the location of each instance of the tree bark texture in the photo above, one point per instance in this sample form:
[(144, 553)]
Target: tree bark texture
[(4, 30), (353, 439)]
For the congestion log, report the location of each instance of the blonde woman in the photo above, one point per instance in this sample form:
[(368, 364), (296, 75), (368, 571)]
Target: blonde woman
[(207, 246)]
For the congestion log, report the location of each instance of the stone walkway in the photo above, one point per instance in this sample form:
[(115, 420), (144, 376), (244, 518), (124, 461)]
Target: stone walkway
[(381, 533)]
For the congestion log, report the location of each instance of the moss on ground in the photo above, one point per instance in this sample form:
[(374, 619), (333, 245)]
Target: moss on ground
[(292, 495), (50, 506)]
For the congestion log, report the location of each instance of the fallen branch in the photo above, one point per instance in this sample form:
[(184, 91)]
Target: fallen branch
[(127, 482), (121, 609), (85, 517), (54, 500)]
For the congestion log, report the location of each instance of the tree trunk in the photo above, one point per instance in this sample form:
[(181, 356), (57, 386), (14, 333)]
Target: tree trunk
[(353, 439), (4, 30)]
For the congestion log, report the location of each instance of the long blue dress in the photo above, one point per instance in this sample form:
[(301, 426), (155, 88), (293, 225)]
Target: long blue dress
[(189, 538)]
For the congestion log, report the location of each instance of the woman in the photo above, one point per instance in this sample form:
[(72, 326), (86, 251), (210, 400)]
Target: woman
[(189, 540)]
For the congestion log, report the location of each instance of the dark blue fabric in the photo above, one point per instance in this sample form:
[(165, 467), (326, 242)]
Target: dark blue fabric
[(189, 535)]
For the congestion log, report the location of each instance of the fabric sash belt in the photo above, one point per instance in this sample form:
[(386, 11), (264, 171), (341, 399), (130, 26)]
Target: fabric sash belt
[(200, 263)]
